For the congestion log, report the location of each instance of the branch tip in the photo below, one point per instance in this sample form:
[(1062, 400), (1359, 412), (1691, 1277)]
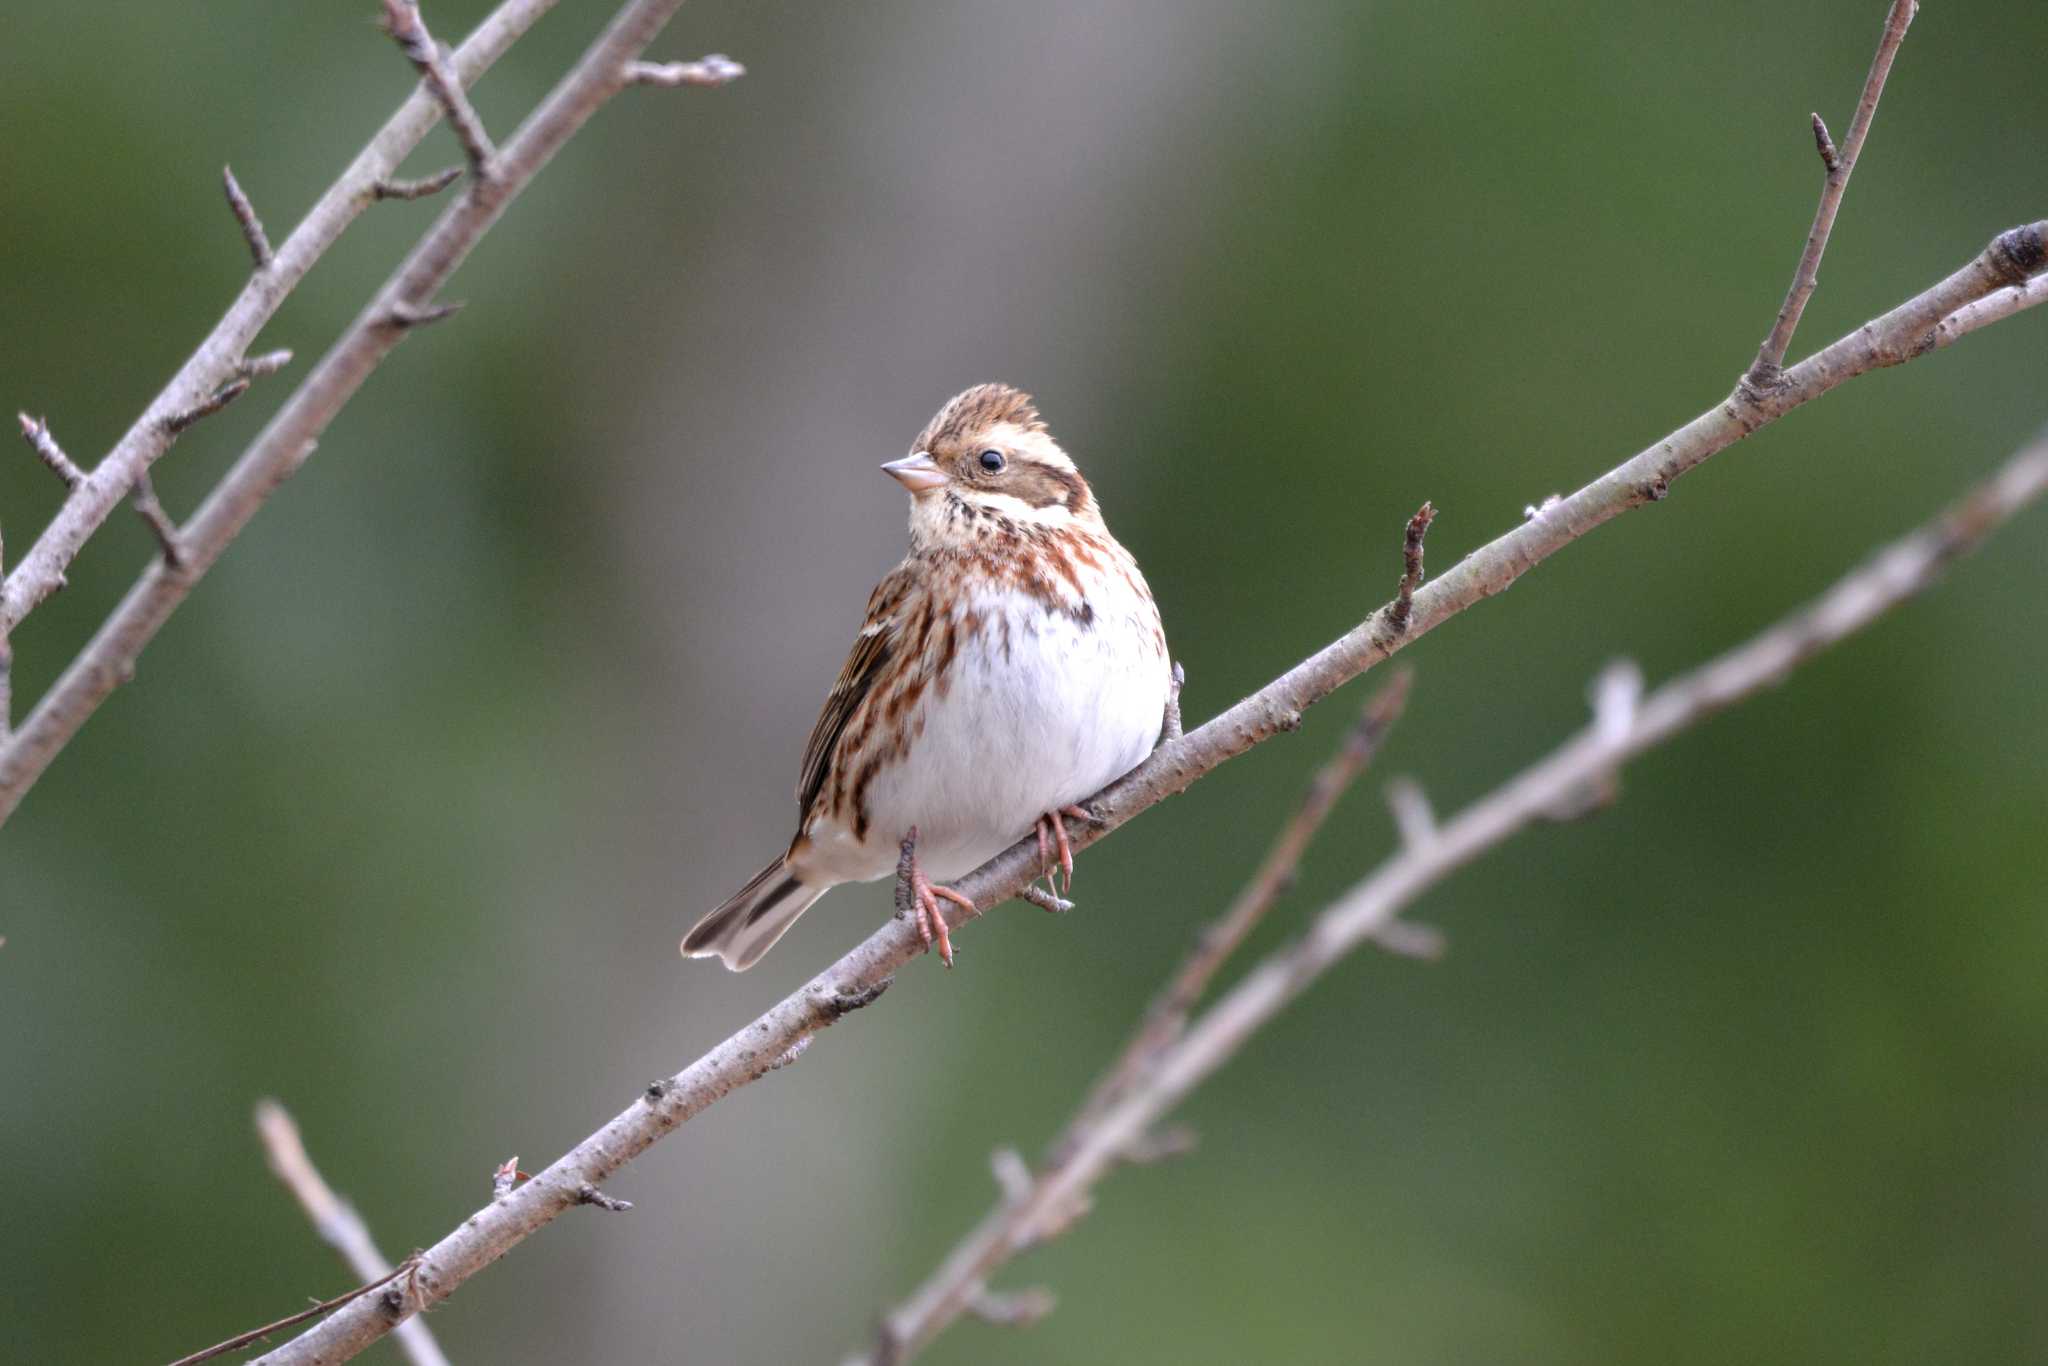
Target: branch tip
[(1414, 817), (1411, 568), (219, 399), (587, 1194), (416, 189), (36, 431), (245, 215), (403, 21), (713, 69), (406, 315), (1013, 1309)]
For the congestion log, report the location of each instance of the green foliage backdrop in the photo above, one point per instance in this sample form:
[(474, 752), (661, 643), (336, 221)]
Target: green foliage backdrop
[(407, 807)]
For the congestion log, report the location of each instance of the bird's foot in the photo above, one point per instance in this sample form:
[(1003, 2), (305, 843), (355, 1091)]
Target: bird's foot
[(1051, 825), (925, 896)]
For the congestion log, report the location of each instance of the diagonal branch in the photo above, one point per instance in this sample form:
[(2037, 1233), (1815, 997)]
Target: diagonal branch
[(408, 28), (1167, 1017), (746, 1055), (109, 658), (218, 358), (335, 1220), (1035, 1207), (1837, 165)]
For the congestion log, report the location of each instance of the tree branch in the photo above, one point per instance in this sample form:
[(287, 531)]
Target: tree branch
[(219, 358), (1838, 165), (245, 215), (337, 1223), (109, 658), (408, 28), (1167, 1017), (1034, 1207), (746, 1056)]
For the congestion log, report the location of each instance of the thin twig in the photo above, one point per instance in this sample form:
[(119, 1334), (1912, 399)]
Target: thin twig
[(713, 69), (290, 436), (245, 214), (219, 357), (417, 189), (1032, 1208), (269, 363), (213, 403), (241, 1340), (36, 431), (403, 21), (335, 1220), (159, 523), (1838, 166), (587, 1194), (1167, 1016), (1411, 568)]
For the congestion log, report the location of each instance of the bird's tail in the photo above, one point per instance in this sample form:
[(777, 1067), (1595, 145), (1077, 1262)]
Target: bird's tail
[(753, 918)]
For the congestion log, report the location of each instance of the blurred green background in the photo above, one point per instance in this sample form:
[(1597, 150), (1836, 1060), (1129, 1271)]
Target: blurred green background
[(408, 806)]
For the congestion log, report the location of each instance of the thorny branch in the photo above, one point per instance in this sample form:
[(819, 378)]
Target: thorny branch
[(335, 1220), (1837, 164), (1034, 1207)]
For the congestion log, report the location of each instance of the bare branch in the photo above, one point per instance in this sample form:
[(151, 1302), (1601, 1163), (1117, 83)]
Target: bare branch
[(36, 431), (402, 20), (1770, 356), (219, 399), (417, 189), (1167, 1016), (587, 1194), (245, 214), (1035, 1206), (743, 1057), (290, 436), (219, 358), (269, 363), (255, 1335), (1411, 568), (711, 70), (159, 523), (334, 1220)]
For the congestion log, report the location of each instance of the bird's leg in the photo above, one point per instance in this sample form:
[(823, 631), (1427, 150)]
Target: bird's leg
[(924, 901)]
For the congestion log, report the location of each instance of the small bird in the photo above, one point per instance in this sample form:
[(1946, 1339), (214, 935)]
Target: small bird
[(1011, 666)]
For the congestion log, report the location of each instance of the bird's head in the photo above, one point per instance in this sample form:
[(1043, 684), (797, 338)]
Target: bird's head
[(986, 462)]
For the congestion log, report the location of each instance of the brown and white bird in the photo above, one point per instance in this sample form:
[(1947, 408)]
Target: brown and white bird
[(1012, 665)]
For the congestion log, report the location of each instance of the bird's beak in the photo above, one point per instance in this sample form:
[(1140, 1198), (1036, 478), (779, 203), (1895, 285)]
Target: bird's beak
[(916, 471)]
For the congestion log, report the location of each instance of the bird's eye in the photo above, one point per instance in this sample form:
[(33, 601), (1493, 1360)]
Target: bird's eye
[(991, 461)]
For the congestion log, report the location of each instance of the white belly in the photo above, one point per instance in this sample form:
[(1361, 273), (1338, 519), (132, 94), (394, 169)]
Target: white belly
[(1051, 720)]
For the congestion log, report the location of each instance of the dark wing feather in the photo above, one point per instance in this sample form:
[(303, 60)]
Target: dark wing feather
[(877, 645)]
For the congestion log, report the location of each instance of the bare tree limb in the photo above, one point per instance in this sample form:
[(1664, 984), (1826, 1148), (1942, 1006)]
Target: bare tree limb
[(219, 358), (1625, 724), (245, 215), (1895, 337), (1838, 165), (1167, 1016), (36, 431), (711, 70), (109, 658), (408, 28), (335, 1220)]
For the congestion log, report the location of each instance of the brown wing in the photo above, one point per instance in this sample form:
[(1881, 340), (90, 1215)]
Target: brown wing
[(879, 640)]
